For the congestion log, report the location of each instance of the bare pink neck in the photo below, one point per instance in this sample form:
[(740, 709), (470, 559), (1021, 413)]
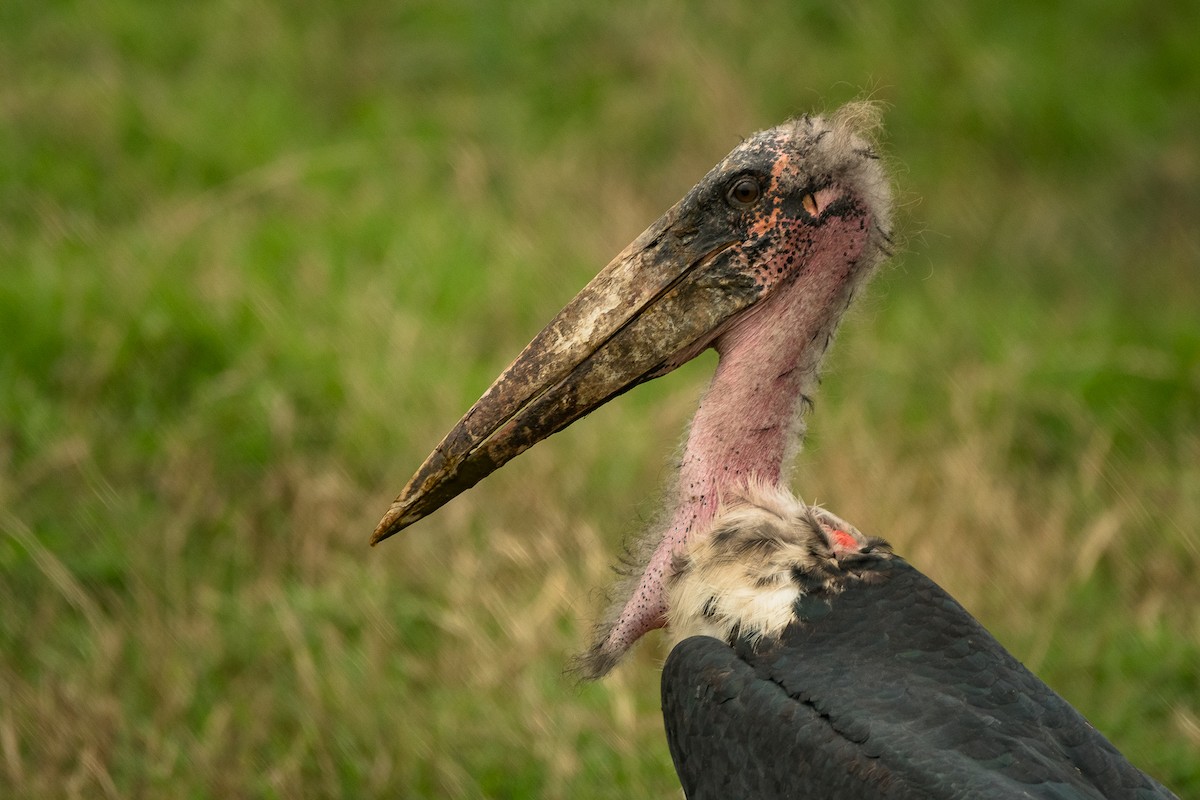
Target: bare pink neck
[(748, 423), (746, 428), (750, 420)]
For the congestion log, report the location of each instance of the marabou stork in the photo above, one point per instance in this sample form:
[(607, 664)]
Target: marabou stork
[(811, 661)]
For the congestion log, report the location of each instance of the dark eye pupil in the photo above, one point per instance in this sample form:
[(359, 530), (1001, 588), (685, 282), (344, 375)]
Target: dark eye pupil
[(745, 191)]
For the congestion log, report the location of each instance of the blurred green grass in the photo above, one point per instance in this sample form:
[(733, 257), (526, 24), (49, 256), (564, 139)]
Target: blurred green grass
[(258, 256)]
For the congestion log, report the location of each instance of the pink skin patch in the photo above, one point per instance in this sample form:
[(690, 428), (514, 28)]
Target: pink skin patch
[(747, 423), (844, 541)]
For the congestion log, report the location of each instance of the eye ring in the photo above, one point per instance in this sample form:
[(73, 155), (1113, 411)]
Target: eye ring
[(744, 191)]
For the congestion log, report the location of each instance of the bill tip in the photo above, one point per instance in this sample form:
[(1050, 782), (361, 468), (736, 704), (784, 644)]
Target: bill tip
[(393, 522)]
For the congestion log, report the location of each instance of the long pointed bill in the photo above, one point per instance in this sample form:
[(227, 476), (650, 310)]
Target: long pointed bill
[(659, 303)]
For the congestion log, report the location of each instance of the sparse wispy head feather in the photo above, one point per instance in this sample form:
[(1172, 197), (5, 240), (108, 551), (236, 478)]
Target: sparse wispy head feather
[(861, 117)]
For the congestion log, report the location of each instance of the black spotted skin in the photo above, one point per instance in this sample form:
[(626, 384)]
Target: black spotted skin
[(886, 689)]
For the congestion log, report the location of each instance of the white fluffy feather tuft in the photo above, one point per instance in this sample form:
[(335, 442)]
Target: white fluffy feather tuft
[(739, 578)]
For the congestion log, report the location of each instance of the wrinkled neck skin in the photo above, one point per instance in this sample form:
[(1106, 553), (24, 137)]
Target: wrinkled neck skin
[(750, 420), (748, 423)]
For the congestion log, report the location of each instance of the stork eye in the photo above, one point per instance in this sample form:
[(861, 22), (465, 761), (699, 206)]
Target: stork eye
[(744, 191)]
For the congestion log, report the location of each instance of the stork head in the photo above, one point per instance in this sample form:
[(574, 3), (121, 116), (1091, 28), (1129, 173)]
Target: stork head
[(803, 206)]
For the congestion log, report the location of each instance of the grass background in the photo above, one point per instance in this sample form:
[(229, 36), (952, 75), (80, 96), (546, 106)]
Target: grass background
[(256, 258)]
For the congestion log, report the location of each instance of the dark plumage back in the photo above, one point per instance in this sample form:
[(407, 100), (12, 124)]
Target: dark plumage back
[(882, 686)]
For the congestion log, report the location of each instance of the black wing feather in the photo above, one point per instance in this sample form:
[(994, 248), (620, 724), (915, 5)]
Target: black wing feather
[(888, 689)]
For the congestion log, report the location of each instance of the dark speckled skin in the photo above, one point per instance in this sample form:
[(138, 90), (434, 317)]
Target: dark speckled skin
[(888, 689)]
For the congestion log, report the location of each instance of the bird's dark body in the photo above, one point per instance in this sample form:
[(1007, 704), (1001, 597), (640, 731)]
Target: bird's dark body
[(885, 689)]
